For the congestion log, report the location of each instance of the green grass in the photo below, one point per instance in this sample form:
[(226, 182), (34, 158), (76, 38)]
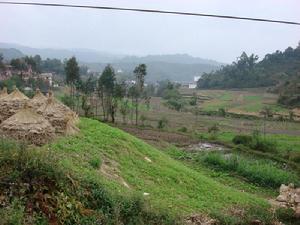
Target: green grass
[(193, 160), (242, 101), (260, 172), (170, 184), (284, 142)]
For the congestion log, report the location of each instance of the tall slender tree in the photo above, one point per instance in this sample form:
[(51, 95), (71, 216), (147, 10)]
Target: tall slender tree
[(72, 74), (140, 72), (106, 86)]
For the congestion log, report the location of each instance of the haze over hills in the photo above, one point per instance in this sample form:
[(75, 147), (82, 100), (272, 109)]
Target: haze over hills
[(176, 67)]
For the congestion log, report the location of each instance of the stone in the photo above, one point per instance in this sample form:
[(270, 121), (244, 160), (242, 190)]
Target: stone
[(297, 212), (282, 198), (283, 188), (291, 185), (297, 198)]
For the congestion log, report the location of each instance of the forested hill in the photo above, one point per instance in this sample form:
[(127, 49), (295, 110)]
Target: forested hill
[(247, 71)]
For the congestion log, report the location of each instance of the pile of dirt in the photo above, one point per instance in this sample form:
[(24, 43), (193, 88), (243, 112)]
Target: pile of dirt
[(3, 93), (10, 104), (28, 126), (289, 197), (61, 117), (38, 99)]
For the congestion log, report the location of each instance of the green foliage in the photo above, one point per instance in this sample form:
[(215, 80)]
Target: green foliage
[(214, 129), (183, 129), (143, 118), (177, 105), (260, 172), (256, 142), (222, 112), (72, 71), (286, 215), (140, 72), (162, 123), (13, 214), (68, 100), (193, 100), (242, 139), (247, 72), (95, 163)]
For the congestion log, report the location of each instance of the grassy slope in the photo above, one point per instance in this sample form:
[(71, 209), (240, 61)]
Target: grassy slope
[(171, 184)]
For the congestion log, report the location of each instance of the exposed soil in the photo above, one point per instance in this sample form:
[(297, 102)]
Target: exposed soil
[(109, 168), (157, 137)]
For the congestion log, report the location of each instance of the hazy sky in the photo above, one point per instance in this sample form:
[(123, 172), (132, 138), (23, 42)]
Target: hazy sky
[(141, 34)]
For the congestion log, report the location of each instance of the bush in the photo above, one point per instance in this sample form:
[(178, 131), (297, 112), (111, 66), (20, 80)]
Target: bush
[(222, 112), (12, 215), (255, 142), (242, 139), (294, 156), (183, 129), (175, 104), (286, 215), (161, 124), (95, 163), (68, 101)]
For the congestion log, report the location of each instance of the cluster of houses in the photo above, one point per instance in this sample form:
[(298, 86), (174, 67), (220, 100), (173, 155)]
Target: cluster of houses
[(191, 85), (8, 71)]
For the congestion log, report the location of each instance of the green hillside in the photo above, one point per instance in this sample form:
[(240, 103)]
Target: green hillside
[(104, 158)]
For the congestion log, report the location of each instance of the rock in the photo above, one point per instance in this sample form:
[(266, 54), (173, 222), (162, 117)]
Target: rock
[(291, 185), (297, 191), (297, 198), (297, 212), (282, 198), (283, 188)]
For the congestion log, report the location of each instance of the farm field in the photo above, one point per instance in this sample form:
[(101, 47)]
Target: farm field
[(246, 101)]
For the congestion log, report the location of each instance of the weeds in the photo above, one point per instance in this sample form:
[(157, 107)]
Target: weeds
[(256, 142), (260, 172)]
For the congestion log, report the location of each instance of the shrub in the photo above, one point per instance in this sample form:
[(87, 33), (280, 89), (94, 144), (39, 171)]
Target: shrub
[(175, 104), (255, 142), (242, 139), (286, 215), (68, 100), (222, 112), (12, 215), (143, 118), (95, 163), (294, 156), (183, 129), (213, 129), (161, 124)]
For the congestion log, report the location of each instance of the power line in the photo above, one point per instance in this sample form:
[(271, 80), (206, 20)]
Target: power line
[(151, 11)]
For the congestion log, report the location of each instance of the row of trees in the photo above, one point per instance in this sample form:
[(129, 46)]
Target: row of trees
[(248, 72), (113, 95)]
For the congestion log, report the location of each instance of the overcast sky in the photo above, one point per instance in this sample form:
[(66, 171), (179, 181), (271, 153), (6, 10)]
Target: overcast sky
[(141, 34)]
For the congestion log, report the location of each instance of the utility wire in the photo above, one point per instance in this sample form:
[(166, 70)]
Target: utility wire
[(151, 11)]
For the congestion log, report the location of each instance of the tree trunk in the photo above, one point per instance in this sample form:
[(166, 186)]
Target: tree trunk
[(136, 111)]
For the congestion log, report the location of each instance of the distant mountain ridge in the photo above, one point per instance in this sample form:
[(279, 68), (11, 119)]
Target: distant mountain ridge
[(175, 67), (11, 53)]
